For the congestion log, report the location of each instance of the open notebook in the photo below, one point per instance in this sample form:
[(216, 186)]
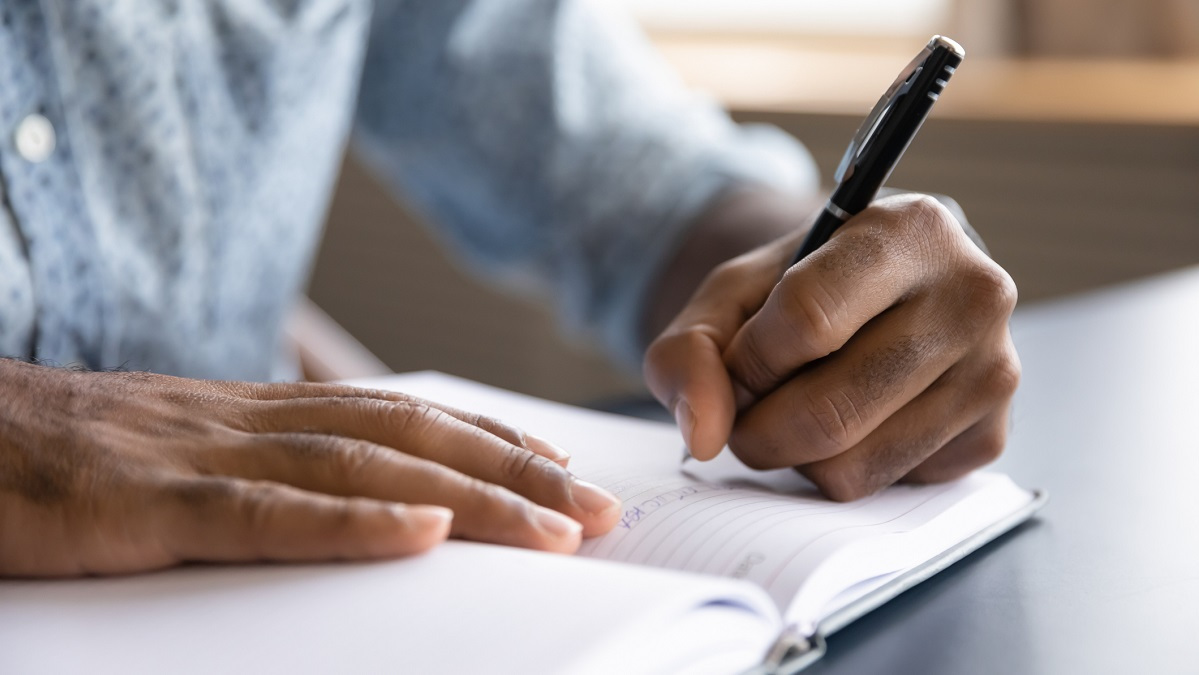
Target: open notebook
[(713, 568)]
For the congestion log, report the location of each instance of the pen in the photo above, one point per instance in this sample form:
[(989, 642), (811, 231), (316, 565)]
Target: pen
[(883, 137)]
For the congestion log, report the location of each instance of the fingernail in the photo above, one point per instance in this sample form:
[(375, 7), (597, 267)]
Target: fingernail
[(424, 516), (685, 418), (592, 498), (546, 449), (555, 523)]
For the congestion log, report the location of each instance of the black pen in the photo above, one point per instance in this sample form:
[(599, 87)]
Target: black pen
[(883, 137)]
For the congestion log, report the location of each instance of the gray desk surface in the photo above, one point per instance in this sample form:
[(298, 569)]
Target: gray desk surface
[(1107, 578)]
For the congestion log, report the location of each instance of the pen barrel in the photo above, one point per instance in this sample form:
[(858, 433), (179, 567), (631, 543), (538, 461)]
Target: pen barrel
[(880, 157), (884, 137), (826, 223)]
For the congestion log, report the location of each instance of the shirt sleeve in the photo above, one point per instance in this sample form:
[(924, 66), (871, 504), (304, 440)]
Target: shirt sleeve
[(548, 142)]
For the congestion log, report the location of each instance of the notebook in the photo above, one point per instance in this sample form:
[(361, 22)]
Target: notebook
[(713, 568)]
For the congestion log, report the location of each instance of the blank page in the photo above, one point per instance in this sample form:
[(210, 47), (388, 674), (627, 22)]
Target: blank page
[(463, 608)]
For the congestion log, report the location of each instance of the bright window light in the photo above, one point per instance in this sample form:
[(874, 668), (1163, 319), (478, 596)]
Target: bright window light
[(839, 17)]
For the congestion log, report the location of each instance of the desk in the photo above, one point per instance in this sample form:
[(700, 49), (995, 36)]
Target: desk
[(1107, 579)]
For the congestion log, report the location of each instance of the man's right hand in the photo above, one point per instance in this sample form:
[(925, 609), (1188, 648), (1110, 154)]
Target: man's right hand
[(104, 473)]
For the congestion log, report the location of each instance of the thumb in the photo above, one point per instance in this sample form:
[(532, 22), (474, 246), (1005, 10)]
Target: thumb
[(686, 373), (685, 367)]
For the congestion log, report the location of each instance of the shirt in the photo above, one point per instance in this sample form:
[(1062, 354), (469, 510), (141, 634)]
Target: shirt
[(165, 164)]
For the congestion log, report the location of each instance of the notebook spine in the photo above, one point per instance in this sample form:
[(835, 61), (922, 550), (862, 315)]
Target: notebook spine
[(794, 650)]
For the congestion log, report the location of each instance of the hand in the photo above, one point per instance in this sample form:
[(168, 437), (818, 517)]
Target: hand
[(120, 472), (884, 355)]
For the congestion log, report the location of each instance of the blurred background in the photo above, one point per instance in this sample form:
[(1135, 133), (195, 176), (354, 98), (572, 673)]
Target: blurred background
[(1070, 136)]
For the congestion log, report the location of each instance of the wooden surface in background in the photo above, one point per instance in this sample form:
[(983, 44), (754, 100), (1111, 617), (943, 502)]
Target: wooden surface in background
[(846, 77)]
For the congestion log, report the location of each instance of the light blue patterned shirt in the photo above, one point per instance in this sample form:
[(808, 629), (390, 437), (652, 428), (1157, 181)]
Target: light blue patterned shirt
[(165, 165)]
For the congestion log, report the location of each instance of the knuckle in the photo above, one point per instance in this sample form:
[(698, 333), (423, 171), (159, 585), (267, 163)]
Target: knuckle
[(990, 293), (254, 505), (250, 417), (409, 418), (244, 509), (530, 473), (352, 460), (489, 501), (341, 515), (487, 493), (752, 366), (238, 390), (520, 465), (202, 495), (830, 422), (927, 209), (811, 313), (1003, 377), (929, 217)]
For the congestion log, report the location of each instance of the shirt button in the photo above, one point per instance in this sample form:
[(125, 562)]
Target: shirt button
[(35, 138)]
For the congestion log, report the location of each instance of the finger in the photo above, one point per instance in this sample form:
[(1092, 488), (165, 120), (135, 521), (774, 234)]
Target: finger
[(974, 448), (280, 391), (983, 442), (546, 449), (969, 396), (684, 367), (832, 406), (821, 302), (227, 520), (422, 430), (344, 467)]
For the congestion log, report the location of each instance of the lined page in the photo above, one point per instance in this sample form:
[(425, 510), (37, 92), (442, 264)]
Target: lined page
[(720, 518), (763, 531)]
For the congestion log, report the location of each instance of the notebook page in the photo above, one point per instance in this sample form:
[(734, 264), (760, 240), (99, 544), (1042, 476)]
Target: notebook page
[(862, 566), (719, 518), (434, 613), (778, 540)]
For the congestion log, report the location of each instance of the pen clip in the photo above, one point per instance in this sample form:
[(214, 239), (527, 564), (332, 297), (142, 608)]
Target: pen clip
[(878, 114)]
